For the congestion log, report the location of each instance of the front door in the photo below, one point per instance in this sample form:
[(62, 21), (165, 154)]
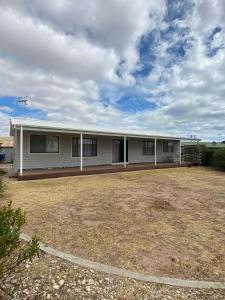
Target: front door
[(118, 150)]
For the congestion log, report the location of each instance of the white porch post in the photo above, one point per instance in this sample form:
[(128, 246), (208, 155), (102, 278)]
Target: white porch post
[(21, 150), (180, 159), (124, 152), (155, 151), (81, 151)]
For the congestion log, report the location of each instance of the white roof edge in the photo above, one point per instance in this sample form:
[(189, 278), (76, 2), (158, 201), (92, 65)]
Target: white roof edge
[(54, 126)]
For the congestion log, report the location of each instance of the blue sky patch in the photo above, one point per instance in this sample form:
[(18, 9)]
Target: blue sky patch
[(19, 110), (134, 103)]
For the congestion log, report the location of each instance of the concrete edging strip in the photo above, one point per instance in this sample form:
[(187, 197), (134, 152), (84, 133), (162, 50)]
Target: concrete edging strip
[(125, 273)]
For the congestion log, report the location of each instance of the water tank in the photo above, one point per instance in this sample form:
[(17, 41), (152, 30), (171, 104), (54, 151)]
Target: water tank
[(2, 157)]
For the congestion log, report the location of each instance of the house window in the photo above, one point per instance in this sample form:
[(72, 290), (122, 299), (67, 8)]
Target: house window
[(168, 147), (148, 148), (44, 144), (89, 147)]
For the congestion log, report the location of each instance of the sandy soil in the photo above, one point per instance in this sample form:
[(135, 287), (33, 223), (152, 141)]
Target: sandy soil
[(163, 222)]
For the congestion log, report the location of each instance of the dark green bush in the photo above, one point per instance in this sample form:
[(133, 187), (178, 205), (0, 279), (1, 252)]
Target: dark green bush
[(1, 188), (207, 156), (219, 159), (12, 251)]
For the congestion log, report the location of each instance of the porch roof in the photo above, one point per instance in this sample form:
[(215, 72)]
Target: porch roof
[(43, 125)]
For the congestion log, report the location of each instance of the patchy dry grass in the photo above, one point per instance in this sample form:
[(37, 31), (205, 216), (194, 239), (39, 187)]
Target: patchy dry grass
[(164, 222)]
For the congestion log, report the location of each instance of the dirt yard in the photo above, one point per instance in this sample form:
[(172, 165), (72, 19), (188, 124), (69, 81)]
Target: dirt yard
[(162, 222)]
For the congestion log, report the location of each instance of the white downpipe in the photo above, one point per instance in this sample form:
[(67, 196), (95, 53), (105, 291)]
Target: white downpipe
[(155, 152), (81, 151), (21, 150), (124, 152)]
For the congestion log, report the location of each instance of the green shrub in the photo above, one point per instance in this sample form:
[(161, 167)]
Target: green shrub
[(12, 251), (219, 159), (2, 187), (207, 156)]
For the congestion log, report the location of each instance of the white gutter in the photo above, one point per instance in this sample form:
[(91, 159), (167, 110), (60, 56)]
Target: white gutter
[(104, 133)]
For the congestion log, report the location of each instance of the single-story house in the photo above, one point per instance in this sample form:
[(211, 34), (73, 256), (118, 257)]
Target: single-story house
[(6, 149), (42, 144)]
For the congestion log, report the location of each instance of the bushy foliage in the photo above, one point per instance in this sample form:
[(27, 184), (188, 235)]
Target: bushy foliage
[(219, 158), (1, 185), (207, 156), (12, 251)]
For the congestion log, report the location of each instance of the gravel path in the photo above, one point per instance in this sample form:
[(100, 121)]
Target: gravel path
[(51, 278)]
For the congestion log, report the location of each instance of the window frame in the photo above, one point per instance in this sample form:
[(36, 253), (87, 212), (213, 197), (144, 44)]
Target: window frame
[(41, 153), (144, 148), (88, 138), (168, 147)]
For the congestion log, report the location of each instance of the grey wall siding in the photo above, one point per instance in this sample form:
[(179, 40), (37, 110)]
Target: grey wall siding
[(104, 153), (135, 152), (15, 160), (167, 157), (64, 158)]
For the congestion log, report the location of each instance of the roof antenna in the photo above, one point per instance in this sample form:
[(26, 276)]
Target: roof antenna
[(23, 101)]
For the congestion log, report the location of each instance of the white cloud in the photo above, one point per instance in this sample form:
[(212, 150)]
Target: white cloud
[(195, 86), (36, 46), (80, 37), (60, 54), (5, 109), (57, 53)]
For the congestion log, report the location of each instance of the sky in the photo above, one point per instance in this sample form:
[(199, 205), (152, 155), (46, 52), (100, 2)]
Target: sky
[(153, 65)]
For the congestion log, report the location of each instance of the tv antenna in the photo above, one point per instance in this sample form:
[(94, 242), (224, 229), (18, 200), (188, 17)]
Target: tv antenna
[(193, 137), (23, 100)]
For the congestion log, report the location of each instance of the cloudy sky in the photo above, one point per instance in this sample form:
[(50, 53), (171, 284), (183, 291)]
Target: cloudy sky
[(154, 65)]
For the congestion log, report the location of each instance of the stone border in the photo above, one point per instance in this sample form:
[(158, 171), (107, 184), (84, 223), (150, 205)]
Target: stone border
[(125, 273)]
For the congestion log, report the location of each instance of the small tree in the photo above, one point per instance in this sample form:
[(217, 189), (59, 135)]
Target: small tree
[(12, 251), (219, 158)]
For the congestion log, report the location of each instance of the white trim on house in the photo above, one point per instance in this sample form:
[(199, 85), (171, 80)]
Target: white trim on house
[(37, 125), (21, 150)]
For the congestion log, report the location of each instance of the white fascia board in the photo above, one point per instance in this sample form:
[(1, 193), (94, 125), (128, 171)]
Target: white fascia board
[(51, 127), (102, 133)]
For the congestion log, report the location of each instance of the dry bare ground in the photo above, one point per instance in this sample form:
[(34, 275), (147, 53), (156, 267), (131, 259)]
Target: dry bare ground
[(161, 222)]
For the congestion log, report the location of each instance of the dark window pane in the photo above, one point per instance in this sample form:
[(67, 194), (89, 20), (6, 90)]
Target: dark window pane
[(75, 147), (37, 144), (165, 146), (52, 144), (89, 147), (168, 147), (148, 148)]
